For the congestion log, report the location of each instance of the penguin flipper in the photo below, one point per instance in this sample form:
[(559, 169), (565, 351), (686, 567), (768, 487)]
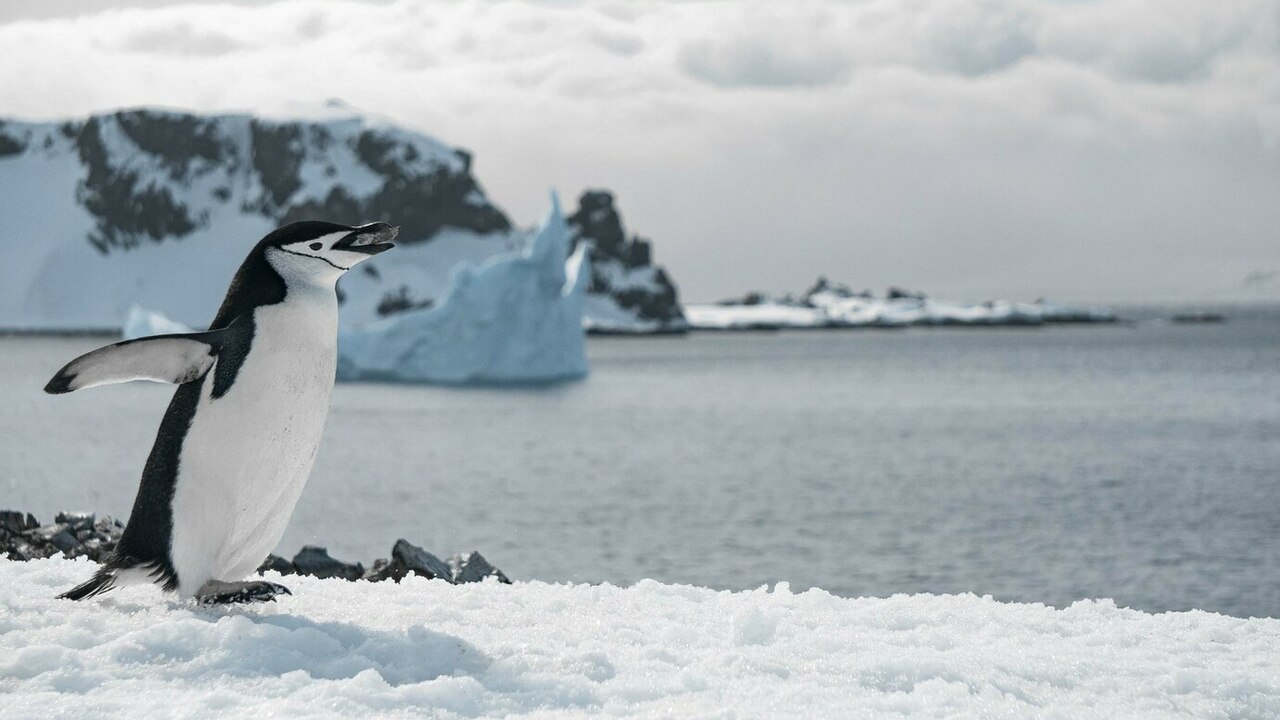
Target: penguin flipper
[(178, 358)]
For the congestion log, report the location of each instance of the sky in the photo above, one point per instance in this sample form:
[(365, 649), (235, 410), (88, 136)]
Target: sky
[(1104, 150)]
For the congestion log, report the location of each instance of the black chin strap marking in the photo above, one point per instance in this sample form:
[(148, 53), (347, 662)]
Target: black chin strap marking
[(313, 257)]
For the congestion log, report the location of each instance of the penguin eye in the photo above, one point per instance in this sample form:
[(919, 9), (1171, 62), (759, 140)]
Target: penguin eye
[(316, 246)]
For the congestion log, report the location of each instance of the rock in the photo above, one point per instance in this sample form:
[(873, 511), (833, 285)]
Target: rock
[(20, 550), (419, 561), (278, 564), (622, 270), (16, 523), (407, 558), (97, 550), (64, 541), (44, 533), (315, 561), (75, 521), (381, 570), (473, 567), (80, 534)]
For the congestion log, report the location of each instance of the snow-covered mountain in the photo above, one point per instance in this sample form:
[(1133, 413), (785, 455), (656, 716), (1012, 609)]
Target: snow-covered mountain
[(157, 208)]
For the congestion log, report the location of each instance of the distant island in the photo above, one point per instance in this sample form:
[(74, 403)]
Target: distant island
[(828, 305)]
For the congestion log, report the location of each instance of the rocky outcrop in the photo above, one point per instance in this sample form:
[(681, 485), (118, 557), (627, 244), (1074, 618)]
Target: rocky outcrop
[(80, 534), (315, 561), (406, 559), (71, 534), (631, 293)]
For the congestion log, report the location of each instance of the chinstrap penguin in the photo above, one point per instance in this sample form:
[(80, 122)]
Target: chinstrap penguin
[(240, 436)]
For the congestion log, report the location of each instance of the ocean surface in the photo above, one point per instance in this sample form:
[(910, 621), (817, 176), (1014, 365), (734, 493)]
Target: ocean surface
[(1137, 462)]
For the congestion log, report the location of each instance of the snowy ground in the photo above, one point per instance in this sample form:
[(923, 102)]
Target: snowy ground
[(428, 649)]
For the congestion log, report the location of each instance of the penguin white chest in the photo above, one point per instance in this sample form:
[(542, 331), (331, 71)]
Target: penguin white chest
[(248, 453)]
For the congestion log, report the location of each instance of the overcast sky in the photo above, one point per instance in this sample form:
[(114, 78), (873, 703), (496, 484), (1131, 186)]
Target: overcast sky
[(1106, 150)]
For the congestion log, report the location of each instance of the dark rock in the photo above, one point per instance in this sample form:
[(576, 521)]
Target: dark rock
[(176, 139), (9, 144), (419, 561), (420, 203), (473, 567), (64, 541), (406, 559), (19, 550), (125, 211), (379, 571), (75, 534), (16, 523), (897, 293), (315, 561), (78, 534), (278, 564), (75, 521), (276, 151), (598, 222)]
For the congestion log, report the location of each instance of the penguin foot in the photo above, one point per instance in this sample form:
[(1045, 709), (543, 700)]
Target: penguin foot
[(216, 592)]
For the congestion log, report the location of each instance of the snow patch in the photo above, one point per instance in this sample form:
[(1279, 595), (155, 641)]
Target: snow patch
[(428, 648)]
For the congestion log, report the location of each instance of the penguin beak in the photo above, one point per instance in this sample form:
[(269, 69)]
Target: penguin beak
[(369, 239)]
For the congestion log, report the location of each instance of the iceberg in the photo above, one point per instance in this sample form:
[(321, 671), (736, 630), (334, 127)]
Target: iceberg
[(142, 322), (516, 319)]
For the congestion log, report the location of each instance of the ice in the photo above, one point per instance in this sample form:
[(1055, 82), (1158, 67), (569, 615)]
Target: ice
[(426, 648), (144, 323), (515, 319)]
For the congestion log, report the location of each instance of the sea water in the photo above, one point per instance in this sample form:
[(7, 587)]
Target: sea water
[(1139, 462)]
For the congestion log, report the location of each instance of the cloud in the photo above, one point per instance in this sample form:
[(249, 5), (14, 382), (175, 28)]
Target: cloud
[(760, 62), (177, 38), (618, 43), (976, 38), (967, 146), (1175, 43)]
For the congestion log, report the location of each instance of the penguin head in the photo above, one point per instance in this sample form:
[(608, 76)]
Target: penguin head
[(319, 251)]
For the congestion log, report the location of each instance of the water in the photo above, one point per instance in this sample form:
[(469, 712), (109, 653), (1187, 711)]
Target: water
[(1045, 465)]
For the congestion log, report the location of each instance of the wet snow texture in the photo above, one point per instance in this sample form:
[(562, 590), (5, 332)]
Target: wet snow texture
[(430, 649)]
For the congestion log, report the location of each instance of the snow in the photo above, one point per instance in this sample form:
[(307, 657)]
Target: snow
[(835, 309), (425, 648), (748, 317), (515, 319)]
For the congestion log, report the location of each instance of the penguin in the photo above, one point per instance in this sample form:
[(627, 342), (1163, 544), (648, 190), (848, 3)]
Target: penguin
[(238, 440)]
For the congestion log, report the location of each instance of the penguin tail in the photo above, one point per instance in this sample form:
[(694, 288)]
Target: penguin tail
[(101, 582)]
